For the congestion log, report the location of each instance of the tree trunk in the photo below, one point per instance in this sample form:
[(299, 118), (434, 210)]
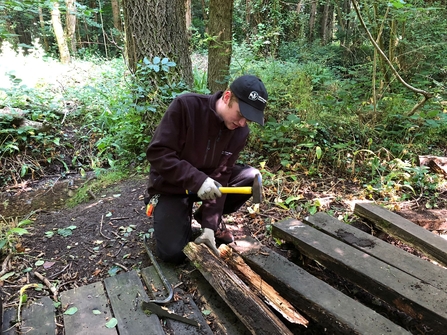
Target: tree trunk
[(312, 19), (188, 15), (220, 47), (116, 15), (324, 24), (70, 21), (158, 30), (64, 54), (45, 45)]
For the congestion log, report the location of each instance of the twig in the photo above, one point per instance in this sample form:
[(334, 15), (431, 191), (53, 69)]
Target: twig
[(5, 264), (117, 253), (122, 266), (100, 228), (47, 282), (121, 218), (58, 273), (91, 194)]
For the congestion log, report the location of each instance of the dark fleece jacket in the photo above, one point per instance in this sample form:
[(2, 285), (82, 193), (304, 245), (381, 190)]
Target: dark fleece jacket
[(190, 144)]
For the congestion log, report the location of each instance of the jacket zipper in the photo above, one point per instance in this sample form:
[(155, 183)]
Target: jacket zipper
[(206, 153), (215, 143)]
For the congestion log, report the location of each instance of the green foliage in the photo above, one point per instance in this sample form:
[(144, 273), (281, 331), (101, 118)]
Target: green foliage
[(398, 180), (10, 232)]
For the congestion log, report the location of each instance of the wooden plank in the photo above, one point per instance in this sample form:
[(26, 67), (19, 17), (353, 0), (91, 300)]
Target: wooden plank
[(185, 307), (39, 318), (9, 320), (434, 246), (317, 299), (224, 319), (250, 309), (126, 292), (408, 294), (154, 285), (398, 258), (87, 299)]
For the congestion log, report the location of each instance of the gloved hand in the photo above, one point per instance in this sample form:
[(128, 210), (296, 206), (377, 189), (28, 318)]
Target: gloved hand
[(209, 190), (207, 238)]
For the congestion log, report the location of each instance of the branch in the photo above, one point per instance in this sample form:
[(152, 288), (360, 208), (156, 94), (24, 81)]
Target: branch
[(427, 95)]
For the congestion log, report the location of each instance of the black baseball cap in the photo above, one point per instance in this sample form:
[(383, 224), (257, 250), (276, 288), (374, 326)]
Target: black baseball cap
[(252, 95)]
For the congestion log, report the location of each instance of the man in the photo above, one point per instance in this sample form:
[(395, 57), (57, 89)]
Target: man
[(192, 153)]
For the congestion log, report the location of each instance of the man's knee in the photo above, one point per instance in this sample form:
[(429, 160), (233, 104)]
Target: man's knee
[(170, 254)]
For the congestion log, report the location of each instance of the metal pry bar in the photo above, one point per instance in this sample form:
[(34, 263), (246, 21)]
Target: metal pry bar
[(160, 274)]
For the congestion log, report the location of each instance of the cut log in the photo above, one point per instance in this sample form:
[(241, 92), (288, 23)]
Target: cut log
[(249, 308), (435, 163), (260, 287), (433, 246), (17, 118)]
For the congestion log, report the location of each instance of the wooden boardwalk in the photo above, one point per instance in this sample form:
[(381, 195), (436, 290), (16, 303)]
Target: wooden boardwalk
[(109, 307), (402, 281)]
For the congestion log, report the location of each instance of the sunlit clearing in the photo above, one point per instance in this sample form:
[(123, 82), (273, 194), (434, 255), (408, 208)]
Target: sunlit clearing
[(32, 69)]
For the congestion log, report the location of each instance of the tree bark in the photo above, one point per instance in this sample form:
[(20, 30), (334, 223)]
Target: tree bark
[(248, 307), (42, 27), (312, 19), (64, 54), (70, 21), (157, 30), (116, 15), (220, 47)]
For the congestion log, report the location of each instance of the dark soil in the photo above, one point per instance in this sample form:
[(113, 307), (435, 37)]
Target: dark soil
[(76, 246)]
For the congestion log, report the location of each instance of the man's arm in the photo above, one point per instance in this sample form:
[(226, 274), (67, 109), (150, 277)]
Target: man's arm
[(164, 150)]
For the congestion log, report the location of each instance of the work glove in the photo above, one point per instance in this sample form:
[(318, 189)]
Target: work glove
[(208, 239), (209, 190)]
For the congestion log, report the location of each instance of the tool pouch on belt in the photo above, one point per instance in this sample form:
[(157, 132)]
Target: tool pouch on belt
[(150, 205)]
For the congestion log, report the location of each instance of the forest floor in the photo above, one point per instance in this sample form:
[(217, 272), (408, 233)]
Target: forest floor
[(76, 246)]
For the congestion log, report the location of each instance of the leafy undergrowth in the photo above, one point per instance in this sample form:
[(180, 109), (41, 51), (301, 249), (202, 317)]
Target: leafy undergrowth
[(76, 246)]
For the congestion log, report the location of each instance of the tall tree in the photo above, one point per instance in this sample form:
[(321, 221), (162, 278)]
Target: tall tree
[(220, 45), (116, 15), (157, 30), (64, 54), (70, 20)]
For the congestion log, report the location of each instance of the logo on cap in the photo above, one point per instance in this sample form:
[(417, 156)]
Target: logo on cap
[(255, 96)]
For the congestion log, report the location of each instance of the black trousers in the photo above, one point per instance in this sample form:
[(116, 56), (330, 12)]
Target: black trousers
[(173, 215)]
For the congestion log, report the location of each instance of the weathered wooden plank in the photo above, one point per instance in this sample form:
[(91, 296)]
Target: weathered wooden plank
[(126, 292), (9, 320), (224, 319), (155, 288), (250, 309), (434, 246), (185, 307), (85, 321), (317, 299), (398, 258), (39, 318), (407, 293)]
